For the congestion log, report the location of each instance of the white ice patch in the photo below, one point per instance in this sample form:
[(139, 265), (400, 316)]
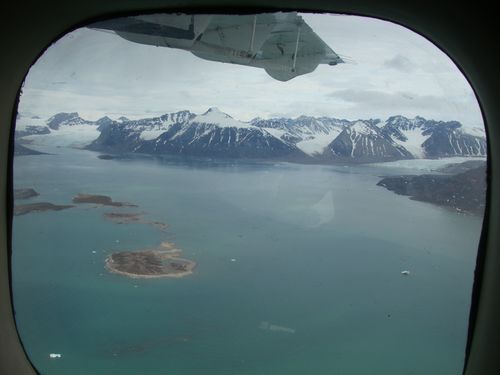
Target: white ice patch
[(476, 132), (361, 128), (277, 133), (77, 136), (424, 165), (275, 328), (317, 144), (216, 117), (414, 142), (147, 135)]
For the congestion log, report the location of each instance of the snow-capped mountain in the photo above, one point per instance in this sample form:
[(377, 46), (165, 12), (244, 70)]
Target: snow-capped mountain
[(65, 119), (428, 138), (216, 134), (212, 134), (310, 134), (452, 140), (364, 142)]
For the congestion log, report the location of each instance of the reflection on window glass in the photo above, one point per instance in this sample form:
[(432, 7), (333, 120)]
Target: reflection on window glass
[(258, 194)]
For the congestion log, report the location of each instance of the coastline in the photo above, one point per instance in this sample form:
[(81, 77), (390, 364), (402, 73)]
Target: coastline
[(150, 264)]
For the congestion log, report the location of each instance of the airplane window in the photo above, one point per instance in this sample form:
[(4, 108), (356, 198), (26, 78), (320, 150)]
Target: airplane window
[(275, 193)]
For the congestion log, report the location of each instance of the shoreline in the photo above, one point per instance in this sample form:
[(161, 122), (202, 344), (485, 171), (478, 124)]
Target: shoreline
[(110, 269), (163, 261)]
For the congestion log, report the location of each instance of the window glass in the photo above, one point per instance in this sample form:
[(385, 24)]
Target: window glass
[(277, 193)]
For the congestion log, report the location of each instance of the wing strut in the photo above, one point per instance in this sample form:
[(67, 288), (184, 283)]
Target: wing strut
[(296, 47), (253, 33)]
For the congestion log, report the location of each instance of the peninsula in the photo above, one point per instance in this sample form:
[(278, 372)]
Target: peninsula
[(161, 262), (464, 191), (23, 209)]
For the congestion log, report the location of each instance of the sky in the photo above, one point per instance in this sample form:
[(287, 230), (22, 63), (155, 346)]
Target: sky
[(393, 71)]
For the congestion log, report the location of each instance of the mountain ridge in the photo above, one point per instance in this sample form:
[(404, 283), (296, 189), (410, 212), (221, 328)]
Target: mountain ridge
[(305, 138)]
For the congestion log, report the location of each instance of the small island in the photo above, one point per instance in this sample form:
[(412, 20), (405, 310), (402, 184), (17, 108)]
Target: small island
[(133, 217), (23, 209), (100, 199), (123, 218), (161, 262), (158, 225)]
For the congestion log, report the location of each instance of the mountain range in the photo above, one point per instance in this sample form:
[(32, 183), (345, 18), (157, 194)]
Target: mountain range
[(303, 139)]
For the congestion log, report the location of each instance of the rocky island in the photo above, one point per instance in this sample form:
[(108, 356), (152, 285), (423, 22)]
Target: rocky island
[(123, 217), (100, 199), (133, 217), (161, 262)]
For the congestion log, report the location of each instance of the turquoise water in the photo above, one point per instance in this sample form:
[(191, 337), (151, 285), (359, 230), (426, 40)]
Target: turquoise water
[(318, 253)]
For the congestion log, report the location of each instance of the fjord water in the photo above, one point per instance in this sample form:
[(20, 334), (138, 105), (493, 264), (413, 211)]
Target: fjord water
[(299, 271)]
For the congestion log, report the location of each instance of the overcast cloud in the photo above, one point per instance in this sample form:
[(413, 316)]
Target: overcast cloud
[(394, 71)]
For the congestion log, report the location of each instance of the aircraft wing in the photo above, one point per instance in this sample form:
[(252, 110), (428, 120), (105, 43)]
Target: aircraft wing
[(281, 43), (294, 49)]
